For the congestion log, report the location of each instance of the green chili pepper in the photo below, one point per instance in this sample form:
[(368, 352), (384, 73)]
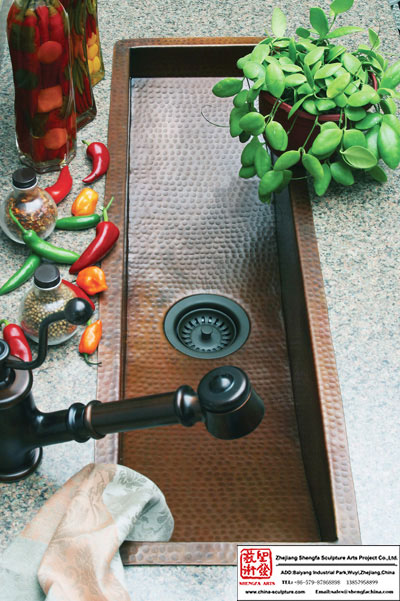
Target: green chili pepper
[(81, 222), (42, 248), (23, 274)]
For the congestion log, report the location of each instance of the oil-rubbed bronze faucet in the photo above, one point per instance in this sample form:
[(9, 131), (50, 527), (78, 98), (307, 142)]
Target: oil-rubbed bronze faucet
[(225, 402)]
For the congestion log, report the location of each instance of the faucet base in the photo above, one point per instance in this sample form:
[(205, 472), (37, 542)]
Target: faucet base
[(32, 461)]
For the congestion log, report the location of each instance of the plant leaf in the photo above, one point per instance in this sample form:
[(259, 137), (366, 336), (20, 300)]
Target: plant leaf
[(359, 157), (310, 107), (229, 86), (253, 70), (270, 182), (334, 52), (260, 52), (355, 113), (296, 79), (289, 68), (391, 77), (262, 161), (338, 85), (297, 105), (308, 74), (275, 79), (321, 185), (374, 39), (340, 31), (242, 60), (370, 120), (350, 62), (364, 96), (327, 70), (378, 174), (287, 160), (278, 22), (240, 98), (325, 104), (253, 123), (292, 50), (341, 6), (319, 21), (276, 136), (303, 33), (234, 118), (313, 56)]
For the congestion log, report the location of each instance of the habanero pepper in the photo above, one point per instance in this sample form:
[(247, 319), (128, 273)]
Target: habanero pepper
[(62, 187), (107, 235), (16, 340), (22, 275), (45, 249), (79, 292), (100, 156), (85, 203), (92, 280), (90, 340)]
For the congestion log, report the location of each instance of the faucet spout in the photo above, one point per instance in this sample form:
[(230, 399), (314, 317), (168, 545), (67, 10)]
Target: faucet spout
[(225, 402)]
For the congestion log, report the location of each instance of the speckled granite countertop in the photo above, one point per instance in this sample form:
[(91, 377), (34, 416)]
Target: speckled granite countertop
[(359, 243)]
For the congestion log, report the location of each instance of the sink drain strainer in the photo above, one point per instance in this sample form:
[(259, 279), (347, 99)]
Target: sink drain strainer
[(206, 326)]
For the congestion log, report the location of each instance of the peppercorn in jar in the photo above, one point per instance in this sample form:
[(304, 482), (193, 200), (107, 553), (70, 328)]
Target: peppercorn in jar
[(47, 296), (33, 207)]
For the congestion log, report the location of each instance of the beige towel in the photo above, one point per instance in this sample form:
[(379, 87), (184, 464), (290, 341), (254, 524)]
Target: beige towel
[(69, 552)]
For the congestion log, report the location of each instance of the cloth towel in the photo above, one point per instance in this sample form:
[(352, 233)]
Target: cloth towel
[(69, 552)]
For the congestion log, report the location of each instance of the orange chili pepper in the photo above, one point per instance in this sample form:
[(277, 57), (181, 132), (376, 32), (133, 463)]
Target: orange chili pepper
[(92, 280), (90, 340), (85, 203)]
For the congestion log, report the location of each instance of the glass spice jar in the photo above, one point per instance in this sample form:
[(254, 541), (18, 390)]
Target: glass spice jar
[(40, 51), (47, 296), (84, 99), (93, 48), (34, 208)]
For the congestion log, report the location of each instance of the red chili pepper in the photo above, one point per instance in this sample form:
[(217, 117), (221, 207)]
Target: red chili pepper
[(62, 187), (107, 234), (42, 13), (56, 26), (79, 292), (15, 338), (100, 156)]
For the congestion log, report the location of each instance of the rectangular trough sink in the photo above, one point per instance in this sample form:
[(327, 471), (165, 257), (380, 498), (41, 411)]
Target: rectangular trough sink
[(191, 228)]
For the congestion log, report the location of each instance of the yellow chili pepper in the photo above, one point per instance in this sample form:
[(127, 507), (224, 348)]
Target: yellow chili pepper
[(92, 280), (85, 203), (90, 340)]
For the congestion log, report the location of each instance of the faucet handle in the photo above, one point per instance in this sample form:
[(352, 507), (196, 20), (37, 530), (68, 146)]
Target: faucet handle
[(77, 311)]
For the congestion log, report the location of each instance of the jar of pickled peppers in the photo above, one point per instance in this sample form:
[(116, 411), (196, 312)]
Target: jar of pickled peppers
[(84, 98), (93, 48), (40, 50)]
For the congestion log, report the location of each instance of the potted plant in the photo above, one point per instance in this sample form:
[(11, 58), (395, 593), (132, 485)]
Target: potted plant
[(320, 105)]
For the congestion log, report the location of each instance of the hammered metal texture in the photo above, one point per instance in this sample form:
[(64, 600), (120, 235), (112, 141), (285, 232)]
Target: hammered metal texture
[(334, 426), (194, 227)]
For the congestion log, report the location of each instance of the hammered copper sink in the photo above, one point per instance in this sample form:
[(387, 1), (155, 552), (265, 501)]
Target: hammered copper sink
[(191, 226)]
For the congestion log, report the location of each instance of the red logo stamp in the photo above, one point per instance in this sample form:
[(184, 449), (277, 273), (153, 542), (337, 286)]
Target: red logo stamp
[(255, 562)]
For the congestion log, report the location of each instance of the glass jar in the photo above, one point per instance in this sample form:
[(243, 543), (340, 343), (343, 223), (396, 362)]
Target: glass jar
[(47, 296), (84, 99), (34, 208), (40, 50), (93, 48)]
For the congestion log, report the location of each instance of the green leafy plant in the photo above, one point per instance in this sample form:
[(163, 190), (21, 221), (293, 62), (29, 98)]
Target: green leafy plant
[(315, 75)]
